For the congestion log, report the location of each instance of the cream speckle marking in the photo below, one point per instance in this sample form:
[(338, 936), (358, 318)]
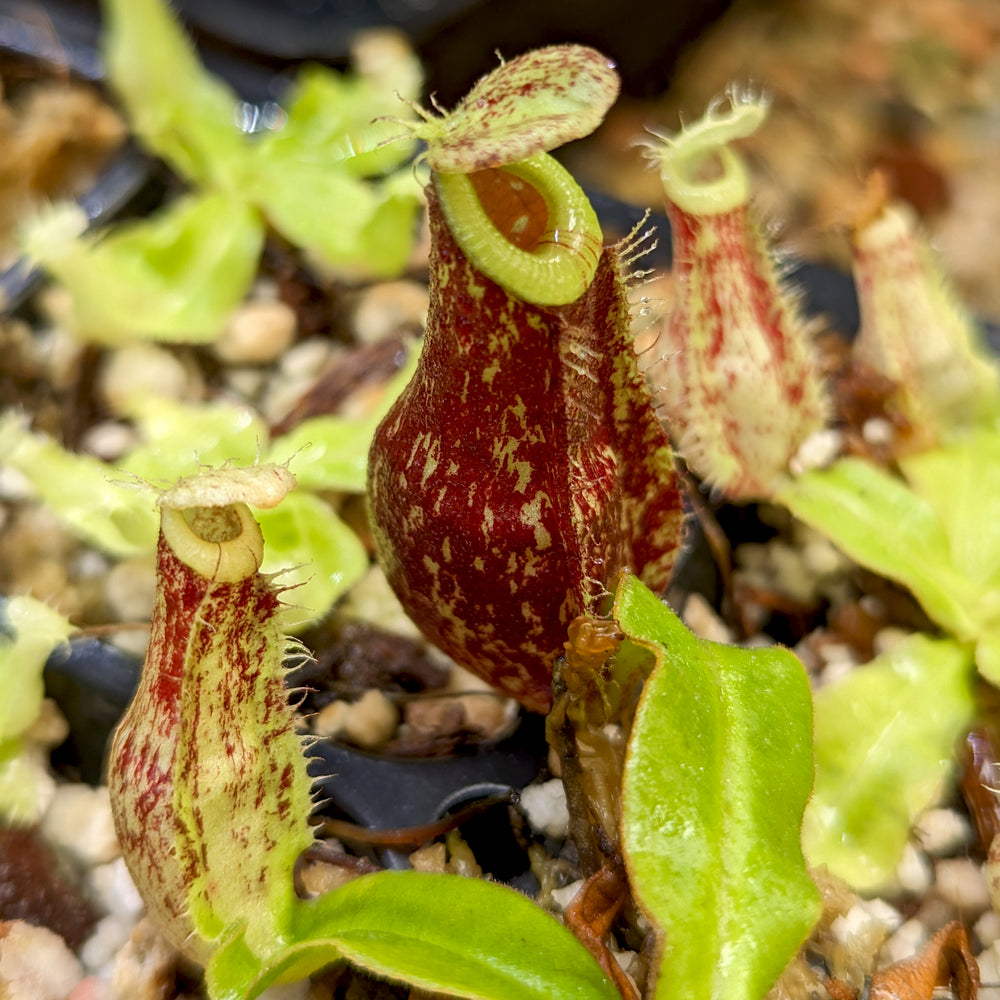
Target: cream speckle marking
[(524, 471), (446, 549), (531, 515), (432, 461)]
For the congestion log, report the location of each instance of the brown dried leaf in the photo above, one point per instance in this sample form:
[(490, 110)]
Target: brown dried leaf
[(591, 915), (944, 961)]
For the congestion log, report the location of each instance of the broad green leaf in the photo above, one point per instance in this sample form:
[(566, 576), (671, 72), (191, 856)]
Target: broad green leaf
[(29, 631), (319, 558), (175, 276), (938, 533), (883, 524), (89, 496), (885, 739), (180, 111), (331, 452), (718, 772), (178, 438), (329, 121), (362, 229), (961, 482), (443, 933), (327, 453), (22, 783)]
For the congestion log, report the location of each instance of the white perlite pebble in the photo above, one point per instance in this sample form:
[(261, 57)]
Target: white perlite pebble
[(942, 832), (79, 821), (836, 652), (372, 599), (386, 308), (882, 912), (115, 891), (329, 720), (863, 928), (702, 619), (545, 807), (823, 558), (914, 871), (130, 588), (818, 450), (109, 440), (960, 882), (564, 896), (144, 968), (989, 972), (371, 720), (904, 943), (886, 638), (143, 370), (877, 430), (107, 939), (257, 333), (987, 928), (15, 485), (35, 963), (306, 360)]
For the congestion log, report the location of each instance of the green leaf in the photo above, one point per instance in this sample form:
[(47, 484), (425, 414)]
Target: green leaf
[(318, 556), (29, 631), (885, 739), (174, 276), (329, 120), (938, 533), (180, 111), (443, 933), (87, 495), (178, 438), (961, 483), (331, 452), (883, 524), (362, 229), (718, 772)]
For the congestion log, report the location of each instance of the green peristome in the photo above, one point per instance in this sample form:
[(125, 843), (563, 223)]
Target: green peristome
[(717, 776), (447, 934), (684, 156), (885, 740), (936, 532), (560, 268), (29, 631)]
